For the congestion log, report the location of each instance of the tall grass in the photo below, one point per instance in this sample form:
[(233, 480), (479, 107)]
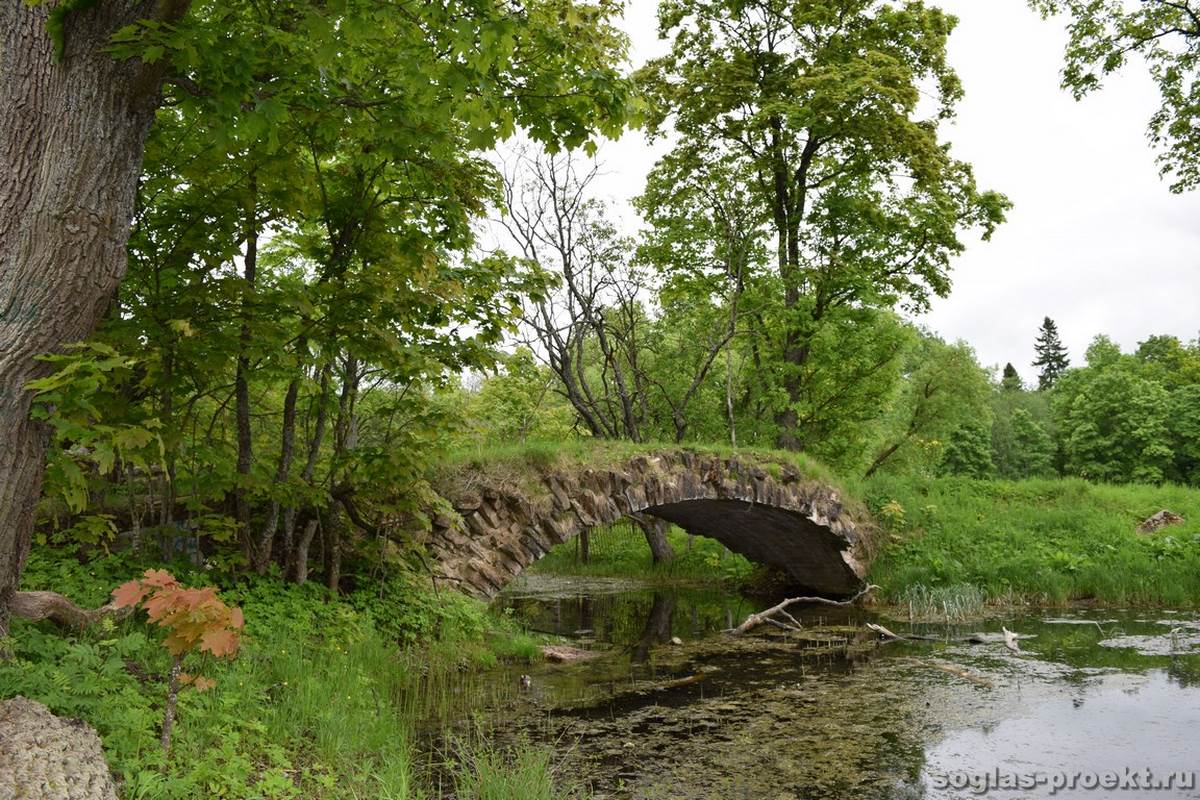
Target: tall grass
[(956, 603), (521, 772), (1039, 541)]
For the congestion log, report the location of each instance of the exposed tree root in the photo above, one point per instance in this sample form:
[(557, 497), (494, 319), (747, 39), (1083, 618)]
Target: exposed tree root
[(36, 606)]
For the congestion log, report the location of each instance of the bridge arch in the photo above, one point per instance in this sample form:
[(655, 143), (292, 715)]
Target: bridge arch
[(767, 511)]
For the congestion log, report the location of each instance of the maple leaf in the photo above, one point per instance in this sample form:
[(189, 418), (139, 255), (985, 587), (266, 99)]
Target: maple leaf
[(128, 594), (203, 684), (220, 642), (236, 620), (159, 606), (160, 578)]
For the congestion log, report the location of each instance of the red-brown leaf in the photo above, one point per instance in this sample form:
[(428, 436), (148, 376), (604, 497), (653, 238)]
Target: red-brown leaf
[(128, 594)]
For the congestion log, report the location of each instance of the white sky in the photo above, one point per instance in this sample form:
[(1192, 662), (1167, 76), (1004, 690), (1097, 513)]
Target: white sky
[(1095, 239)]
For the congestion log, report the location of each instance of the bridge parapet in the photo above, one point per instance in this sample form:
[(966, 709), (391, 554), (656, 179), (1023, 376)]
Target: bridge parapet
[(769, 512)]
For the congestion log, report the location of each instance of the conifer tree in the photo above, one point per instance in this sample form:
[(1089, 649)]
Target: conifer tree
[(1011, 381), (1052, 359)]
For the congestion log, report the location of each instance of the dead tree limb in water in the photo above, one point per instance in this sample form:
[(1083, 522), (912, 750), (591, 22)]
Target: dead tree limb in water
[(885, 633), (754, 620)]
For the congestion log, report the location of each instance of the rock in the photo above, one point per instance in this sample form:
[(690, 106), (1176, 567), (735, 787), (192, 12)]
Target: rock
[(1160, 520), (565, 654), (44, 757), (788, 523)]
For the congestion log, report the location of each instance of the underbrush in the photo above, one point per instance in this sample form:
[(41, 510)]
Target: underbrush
[(1046, 542), (620, 550), (321, 702)]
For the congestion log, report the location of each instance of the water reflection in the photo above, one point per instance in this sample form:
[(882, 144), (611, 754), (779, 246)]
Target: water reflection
[(833, 715)]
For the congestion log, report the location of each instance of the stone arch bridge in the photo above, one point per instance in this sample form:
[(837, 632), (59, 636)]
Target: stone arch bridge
[(765, 509)]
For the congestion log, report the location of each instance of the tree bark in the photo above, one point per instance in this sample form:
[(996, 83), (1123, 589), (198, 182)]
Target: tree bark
[(345, 440), (306, 475), (331, 534), (172, 699), (72, 137), (300, 561), (245, 440), (655, 531), (266, 541)]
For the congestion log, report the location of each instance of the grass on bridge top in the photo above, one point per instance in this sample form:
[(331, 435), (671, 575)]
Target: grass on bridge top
[(540, 457)]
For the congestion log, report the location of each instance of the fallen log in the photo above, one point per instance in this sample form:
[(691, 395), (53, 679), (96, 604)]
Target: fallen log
[(565, 654), (762, 617)]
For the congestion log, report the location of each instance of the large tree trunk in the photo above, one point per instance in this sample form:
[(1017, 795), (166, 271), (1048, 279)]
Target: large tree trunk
[(655, 531), (72, 135), (266, 540), (245, 438)]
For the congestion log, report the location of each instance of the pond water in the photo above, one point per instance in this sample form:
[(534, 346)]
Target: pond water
[(1103, 704)]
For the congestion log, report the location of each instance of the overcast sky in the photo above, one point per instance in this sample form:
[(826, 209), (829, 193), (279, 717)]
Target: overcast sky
[(1095, 240)]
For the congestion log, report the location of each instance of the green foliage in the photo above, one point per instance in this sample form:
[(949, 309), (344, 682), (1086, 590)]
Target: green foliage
[(1113, 421), (1011, 379), (95, 429), (969, 452), (518, 403), (1184, 424), (1038, 541), (1162, 34), (813, 130), (1020, 447), (942, 389), (304, 277), (321, 702), (1033, 448)]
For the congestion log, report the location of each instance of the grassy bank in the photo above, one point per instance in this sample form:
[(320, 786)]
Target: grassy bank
[(322, 700), (620, 550), (1044, 542)]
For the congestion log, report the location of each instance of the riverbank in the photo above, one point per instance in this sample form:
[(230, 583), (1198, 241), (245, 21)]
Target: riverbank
[(1037, 542), (325, 698)]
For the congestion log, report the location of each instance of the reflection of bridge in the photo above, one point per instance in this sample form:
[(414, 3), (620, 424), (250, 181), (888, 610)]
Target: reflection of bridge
[(765, 509)]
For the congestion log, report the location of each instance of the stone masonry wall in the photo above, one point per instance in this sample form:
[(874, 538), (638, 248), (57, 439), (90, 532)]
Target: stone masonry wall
[(797, 524)]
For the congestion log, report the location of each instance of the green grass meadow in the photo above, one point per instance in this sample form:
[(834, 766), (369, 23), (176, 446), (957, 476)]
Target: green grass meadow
[(1042, 542)]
